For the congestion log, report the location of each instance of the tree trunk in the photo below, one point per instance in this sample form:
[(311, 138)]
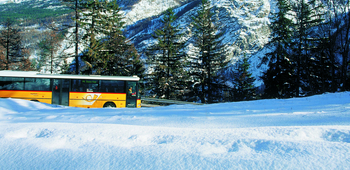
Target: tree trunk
[(76, 38)]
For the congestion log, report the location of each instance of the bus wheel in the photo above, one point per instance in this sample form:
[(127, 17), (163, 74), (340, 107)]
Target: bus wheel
[(35, 100), (109, 104)]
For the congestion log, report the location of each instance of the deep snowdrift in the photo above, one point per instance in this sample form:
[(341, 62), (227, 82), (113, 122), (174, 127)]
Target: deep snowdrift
[(300, 133)]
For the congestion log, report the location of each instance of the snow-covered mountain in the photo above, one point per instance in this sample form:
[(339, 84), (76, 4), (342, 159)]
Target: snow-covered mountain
[(244, 23)]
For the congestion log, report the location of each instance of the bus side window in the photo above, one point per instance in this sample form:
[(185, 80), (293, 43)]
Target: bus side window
[(132, 88), (94, 87), (40, 84), (29, 84), (77, 86), (112, 86), (139, 93), (3, 83), (43, 84), (12, 83)]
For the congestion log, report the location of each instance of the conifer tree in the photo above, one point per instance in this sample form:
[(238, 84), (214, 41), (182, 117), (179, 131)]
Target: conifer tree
[(337, 32), (90, 21), (121, 56), (243, 82), (49, 46), (329, 40), (77, 6), (167, 59), (211, 57), (25, 64), (342, 35), (123, 59), (279, 79), (307, 17), (15, 55), (320, 68), (2, 58), (109, 52)]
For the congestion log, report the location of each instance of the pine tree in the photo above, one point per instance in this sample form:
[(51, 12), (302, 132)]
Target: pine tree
[(25, 63), (318, 63), (76, 6), (16, 56), (2, 58), (279, 79), (211, 58), (321, 63), (123, 59), (90, 21), (342, 35), (167, 59), (320, 68), (307, 17), (243, 82), (49, 46), (109, 52), (120, 56), (329, 40)]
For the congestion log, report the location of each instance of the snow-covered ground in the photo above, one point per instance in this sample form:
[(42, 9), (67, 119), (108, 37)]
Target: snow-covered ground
[(299, 133)]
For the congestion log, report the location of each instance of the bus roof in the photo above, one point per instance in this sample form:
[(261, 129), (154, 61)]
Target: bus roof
[(34, 74)]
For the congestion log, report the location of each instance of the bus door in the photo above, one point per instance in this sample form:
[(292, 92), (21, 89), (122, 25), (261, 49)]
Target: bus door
[(60, 92), (131, 94)]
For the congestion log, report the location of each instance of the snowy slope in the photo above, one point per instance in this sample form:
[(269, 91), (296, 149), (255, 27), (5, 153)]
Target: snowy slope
[(19, 1), (300, 133), (244, 24), (147, 8)]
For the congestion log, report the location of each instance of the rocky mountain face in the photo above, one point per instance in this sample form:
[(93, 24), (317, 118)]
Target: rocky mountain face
[(245, 24)]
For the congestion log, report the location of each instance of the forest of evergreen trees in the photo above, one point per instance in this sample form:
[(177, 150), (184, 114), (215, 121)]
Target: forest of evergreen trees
[(309, 51), (32, 12)]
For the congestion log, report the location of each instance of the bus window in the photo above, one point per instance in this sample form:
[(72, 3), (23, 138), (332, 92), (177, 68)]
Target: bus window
[(4, 83), (85, 85), (132, 89), (60, 91), (11, 83), (131, 96), (39, 84), (65, 92), (139, 93), (112, 86)]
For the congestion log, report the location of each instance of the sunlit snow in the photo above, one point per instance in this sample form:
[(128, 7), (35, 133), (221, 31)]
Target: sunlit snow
[(299, 133)]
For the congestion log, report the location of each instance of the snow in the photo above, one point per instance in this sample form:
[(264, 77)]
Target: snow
[(12, 1), (147, 8), (298, 133)]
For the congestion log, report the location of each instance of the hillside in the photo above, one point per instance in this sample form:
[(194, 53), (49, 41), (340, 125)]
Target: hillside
[(33, 12), (244, 22)]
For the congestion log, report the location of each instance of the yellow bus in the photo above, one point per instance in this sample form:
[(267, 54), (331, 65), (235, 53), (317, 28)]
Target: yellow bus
[(89, 91)]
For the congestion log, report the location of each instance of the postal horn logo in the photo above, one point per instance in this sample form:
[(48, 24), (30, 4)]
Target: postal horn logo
[(91, 98)]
